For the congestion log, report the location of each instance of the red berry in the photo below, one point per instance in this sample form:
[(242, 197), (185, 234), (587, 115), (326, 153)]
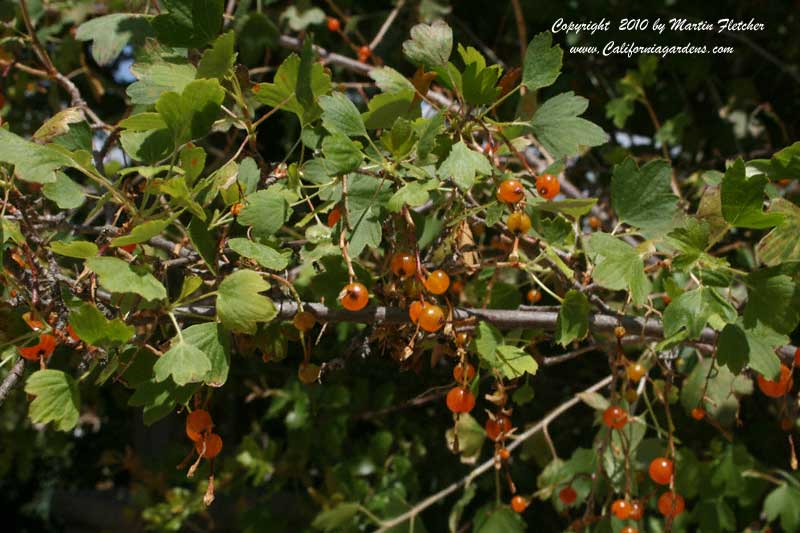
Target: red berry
[(518, 503), (236, 209), (364, 54), (438, 281), (621, 509), (615, 417), (334, 24), (534, 295), (464, 373), (518, 223), (511, 191), (431, 318), (547, 186), (403, 265), (499, 427), (698, 413), (776, 389), (637, 510), (354, 296), (198, 422), (504, 454), (671, 504), (213, 445), (334, 216), (460, 400), (567, 495), (661, 470)]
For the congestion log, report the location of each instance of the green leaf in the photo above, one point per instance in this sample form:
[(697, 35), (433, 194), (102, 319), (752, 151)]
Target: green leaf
[(471, 437), (781, 244), (211, 339), (193, 160), (218, 60), (118, 276), (772, 299), (340, 115), (239, 306), (32, 162), (159, 399), (487, 339), (743, 199), (542, 63), (617, 266), (255, 32), (384, 109), (203, 241), (265, 256), (430, 44), (573, 207), (755, 346), (692, 310), (93, 328), (390, 81), (266, 211), (64, 192), (463, 164), (559, 128), (784, 502), (367, 231), (303, 17), (412, 194), (342, 154), (497, 519), (57, 398), (191, 114), (183, 362), (154, 79), (76, 249), (513, 362), (573, 318), (147, 146), (303, 90), (334, 519), (479, 83), (642, 197), (188, 23), (143, 232), (111, 33), (281, 93)]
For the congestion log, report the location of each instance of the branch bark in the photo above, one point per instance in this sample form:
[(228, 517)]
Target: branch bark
[(11, 380)]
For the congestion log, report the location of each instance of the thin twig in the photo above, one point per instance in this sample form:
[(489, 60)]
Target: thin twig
[(11, 380), (386, 24)]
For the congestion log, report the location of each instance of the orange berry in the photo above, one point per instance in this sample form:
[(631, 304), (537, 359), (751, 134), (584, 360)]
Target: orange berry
[(437, 283), (635, 372), (304, 321), (457, 287), (534, 295), (661, 470), (198, 422), (460, 400), (615, 417), (431, 318), (504, 454), (518, 223), (334, 216), (567, 495), (498, 427), (128, 248), (465, 373), (213, 445), (354, 296), (334, 24), (698, 413), (414, 310), (637, 511), (44, 349), (518, 503), (776, 389), (547, 186), (671, 504), (403, 265), (236, 209), (628, 529), (594, 222), (364, 54), (782, 182), (462, 338), (621, 509), (511, 191)]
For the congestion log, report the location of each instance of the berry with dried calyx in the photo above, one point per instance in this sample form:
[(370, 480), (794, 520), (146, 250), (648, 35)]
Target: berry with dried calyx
[(403, 265), (615, 417), (414, 310), (534, 296), (462, 338), (621, 509), (364, 54), (637, 510), (333, 24), (518, 223), (198, 423), (519, 504), (209, 446), (635, 371), (503, 454), (698, 413), (437, 283), (776, 389), (567, 495), (511, 191), (547, 186), (354, 296), (431, 318), (304, 321), (498, 427), (661, 470), (463, 373), (671, 504), (460, 400), (594, 222)]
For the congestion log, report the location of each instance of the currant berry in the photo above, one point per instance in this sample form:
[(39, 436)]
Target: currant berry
[(334, 216), (776, 389), (504, 454), (615, 417), (698, 413), (511, 191), (620, 332), (354, 296), (518, 223), (236, 209), (567, 495), (463, 374), (671, 504), (462, 338), (635, 372), (364, 54), (519, 504), (498, 427), (333, 24), (308, 373), (594, 222), (457, 287), (414, 310), (43, 350), (437, 283), (661, 470), (431, 318), (403, 265), (787, 423), (534, 296), (460, 400), (621, 509), (637, 511), (198, 423), (213, 445), (304, 321), (547, 186), (628, 529)]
